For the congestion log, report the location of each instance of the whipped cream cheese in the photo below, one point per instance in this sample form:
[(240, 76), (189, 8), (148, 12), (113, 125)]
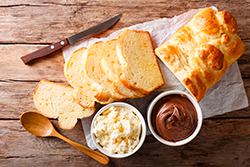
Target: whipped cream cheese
[(117, 130)]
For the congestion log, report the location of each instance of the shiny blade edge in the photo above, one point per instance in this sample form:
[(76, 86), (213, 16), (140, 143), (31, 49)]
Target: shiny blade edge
[(93, 30)]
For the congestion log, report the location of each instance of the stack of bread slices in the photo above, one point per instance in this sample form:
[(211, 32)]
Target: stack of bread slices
[(114, 70)]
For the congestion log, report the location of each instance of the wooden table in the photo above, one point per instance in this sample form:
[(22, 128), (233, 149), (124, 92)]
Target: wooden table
[(27, 25)]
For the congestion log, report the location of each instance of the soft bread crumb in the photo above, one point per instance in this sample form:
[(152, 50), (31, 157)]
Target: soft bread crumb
[(76, 77), (140, 68), (112, 69), (56, 100), (95, 73)]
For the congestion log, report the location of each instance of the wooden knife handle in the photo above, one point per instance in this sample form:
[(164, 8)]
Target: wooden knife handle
[(45, 51)]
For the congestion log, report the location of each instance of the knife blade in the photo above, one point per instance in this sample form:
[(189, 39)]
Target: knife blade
[(70, 40)]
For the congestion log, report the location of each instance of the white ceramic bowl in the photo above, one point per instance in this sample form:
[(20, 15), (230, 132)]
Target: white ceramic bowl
[(199, 115), (143, 129)]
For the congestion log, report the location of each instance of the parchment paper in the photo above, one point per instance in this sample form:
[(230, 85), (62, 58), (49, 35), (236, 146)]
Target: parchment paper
[(228, 94)]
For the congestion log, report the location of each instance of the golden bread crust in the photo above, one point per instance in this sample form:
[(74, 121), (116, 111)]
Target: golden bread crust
[(77, 78), (112, 68), (200, 52), (94, 71), (139, 65)]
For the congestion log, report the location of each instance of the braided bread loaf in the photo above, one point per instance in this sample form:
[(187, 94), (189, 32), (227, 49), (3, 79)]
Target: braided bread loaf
[(200, 52)]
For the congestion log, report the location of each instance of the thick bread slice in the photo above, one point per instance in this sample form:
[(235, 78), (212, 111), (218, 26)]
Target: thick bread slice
[(55, 100), (140, 68), (93, 69), (75, 75), (112, 68), (200, 52)]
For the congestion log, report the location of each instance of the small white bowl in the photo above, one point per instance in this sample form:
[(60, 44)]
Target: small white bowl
[(143, 129), (199, 116)]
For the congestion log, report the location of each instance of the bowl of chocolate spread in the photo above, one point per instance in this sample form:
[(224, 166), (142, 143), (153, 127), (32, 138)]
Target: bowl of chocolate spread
[(174, 118)]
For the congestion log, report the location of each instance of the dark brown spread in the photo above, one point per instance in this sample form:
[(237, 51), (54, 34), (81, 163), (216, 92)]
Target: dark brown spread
[(174, 118)]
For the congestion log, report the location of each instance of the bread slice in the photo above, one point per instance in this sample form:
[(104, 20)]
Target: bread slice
[(140, 68), (55, 100), (112, 68), (93, 69), (76, 77)]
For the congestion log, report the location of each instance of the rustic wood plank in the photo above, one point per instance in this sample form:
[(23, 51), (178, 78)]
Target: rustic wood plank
[(20, 148), (28, 25), (47, 22), (12, 67), (17, 97), (244, 60), (18, 81), (220, 142), (51, 67)]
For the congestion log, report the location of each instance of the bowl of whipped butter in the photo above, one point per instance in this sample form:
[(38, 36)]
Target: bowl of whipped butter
[(118, 130)]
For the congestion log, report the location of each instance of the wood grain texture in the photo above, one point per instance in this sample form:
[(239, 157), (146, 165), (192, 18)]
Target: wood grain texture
[(27, 25), (221, 142), (12, 67), (18, 81), (50, 21), (51, 67)]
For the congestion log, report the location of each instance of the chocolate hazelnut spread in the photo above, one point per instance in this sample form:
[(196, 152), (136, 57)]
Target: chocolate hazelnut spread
[(174, 118)]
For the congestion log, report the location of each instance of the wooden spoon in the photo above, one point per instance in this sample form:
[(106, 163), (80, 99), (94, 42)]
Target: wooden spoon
[(39, 125)]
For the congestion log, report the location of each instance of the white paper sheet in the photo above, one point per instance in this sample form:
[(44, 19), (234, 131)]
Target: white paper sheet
[(228, 94)]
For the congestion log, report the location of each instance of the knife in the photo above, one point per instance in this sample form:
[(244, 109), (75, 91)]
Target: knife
[(70, 40)]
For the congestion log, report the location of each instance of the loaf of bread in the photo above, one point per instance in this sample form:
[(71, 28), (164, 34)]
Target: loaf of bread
[(112, 67), (55, 100), (76, 77), (139, 66), (200, 52), (93, 69)]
